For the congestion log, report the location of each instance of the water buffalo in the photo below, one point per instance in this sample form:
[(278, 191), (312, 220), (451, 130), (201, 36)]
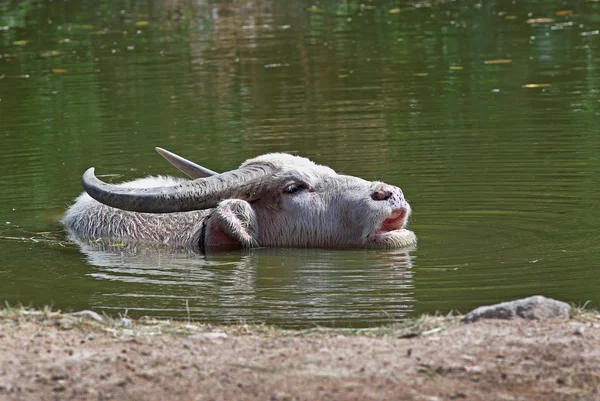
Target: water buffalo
[(274, 200)]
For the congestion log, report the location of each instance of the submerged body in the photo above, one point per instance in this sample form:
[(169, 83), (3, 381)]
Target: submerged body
[(274, 200)]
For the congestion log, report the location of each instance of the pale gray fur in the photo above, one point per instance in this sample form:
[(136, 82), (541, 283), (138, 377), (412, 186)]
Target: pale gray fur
[(90, 219), (332, 210)]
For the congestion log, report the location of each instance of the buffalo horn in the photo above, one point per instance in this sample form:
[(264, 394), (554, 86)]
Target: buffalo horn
[(202, 193), (187, 167)]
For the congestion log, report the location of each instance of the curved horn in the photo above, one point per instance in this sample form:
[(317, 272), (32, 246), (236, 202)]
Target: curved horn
[(187, 167), (198, 194)]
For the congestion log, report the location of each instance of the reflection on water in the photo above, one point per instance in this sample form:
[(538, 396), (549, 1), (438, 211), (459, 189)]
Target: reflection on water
[(290, 287), (484, 113)]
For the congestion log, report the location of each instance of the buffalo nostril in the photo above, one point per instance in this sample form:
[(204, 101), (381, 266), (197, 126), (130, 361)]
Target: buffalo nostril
[(381, 195)]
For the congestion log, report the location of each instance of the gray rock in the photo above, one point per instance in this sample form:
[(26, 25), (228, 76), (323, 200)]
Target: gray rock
[(536, 307)]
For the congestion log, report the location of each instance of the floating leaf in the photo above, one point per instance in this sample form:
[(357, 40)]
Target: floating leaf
[(499, 61), (368, 7), (142, 23), (65, 40), (562, 25), (394, 11), (456, 67), (539, 21), (276, 65), (589, 33), (59, 70), (84, 26), (536, 85), (562, 13), (315, 9), (420, 74), (20, 42), (343, 76), (50, 53), (510, 17)]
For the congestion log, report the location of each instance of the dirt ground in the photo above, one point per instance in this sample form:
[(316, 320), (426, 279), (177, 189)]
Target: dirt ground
[(47, 355)]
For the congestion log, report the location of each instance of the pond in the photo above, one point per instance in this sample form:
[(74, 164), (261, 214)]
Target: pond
[(485, 114)]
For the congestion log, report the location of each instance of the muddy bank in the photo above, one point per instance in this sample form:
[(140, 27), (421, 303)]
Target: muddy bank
[(46, 355)]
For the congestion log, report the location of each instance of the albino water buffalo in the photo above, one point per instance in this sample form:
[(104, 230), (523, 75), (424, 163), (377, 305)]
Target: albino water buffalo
[(274, 200)]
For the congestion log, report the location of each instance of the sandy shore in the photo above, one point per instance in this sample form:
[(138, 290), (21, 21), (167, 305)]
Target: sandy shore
[(47, 355)]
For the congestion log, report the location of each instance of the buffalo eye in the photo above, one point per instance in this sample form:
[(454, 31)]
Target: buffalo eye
[(292, 188)]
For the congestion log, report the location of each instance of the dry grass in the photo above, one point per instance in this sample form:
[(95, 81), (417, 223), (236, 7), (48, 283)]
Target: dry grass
[(123, 325), (421, 326)]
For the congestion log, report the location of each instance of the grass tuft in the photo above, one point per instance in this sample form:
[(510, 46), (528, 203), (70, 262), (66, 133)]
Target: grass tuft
[(123, 326)]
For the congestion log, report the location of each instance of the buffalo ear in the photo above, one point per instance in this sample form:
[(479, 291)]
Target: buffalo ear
[(232, 223)]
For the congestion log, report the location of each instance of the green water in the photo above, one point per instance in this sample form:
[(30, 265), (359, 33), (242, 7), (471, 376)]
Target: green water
[(486, 118)]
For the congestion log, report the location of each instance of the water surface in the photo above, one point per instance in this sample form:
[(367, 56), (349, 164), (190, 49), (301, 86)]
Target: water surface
[(485, 115)]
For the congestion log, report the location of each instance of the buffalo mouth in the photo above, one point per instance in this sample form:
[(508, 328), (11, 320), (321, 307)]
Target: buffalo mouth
[(390, 232), (395, 222)]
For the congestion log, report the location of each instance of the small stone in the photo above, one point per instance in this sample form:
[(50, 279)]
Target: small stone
[(278, 396), (535, 307), (127, 380), (145, 375), (579, 330), (88, 314), (215, 335)]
